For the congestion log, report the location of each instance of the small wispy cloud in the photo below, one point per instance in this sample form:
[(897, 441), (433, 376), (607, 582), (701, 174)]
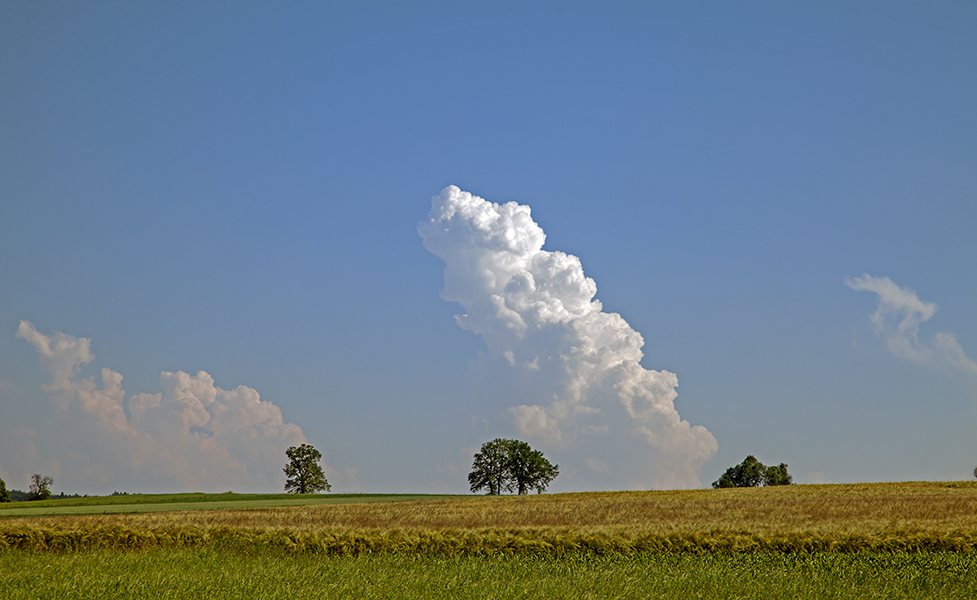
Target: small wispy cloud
[(896, 321), (816, 477), (461, 465), (596, 464)]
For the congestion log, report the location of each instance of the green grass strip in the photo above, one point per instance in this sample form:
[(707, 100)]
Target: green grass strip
[(204, 573), (148, 503)]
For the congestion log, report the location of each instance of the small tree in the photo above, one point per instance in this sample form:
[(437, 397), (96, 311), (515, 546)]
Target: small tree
[(303, 475), (40, 487), (777, 475), (4, 494), (510, 466), (752, 473)]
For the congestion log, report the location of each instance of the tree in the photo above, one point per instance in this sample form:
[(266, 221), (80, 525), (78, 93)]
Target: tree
[(752, 473), (777, 475), (510, 466), (40, 487), (4, 494), (303, 475), (490, 468), (748, 473), (529, 469)]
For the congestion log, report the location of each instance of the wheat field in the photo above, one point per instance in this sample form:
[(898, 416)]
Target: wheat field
[(904, 516)]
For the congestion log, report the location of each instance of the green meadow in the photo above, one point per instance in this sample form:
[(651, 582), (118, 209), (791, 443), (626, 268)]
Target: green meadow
[(149, 503), (885, 540), (196, 573)]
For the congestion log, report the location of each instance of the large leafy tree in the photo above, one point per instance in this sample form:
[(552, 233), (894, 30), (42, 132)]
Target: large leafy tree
[(40, 487), (303, 475), (4, 494), (504, 465), (529, 469), (752, 473), (490, 468)]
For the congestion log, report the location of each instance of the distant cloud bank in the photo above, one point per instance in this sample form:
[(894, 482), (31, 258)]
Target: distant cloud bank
[(537, 313), (192, 435), (897, 319)]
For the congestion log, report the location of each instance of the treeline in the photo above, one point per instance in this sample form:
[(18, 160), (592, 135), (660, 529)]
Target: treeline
[(22, 496), (40, 490)]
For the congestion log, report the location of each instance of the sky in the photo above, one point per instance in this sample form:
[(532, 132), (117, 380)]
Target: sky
[(647, 238)]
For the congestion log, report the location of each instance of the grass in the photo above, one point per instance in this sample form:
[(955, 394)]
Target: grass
[(183, 573), (886, 540), (147, 503)]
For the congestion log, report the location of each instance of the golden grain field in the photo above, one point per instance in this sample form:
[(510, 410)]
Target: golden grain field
[(800, 518)]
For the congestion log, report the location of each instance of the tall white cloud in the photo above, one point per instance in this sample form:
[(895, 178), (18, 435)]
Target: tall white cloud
[(193, 435), (536, 311), (896, 321)]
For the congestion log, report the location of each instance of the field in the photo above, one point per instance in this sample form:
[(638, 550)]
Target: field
[(147, 503), (914, 539), (189, 573)]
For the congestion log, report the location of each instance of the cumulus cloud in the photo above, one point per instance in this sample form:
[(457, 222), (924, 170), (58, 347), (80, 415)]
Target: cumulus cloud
[(537, 313), (191, 435), (896, 321)]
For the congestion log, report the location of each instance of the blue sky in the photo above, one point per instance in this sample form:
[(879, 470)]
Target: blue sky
[(236, 189)]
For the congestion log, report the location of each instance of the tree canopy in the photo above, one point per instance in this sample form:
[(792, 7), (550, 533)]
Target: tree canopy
[(752, 473), (490, 468), (303, 475), (504, 465), (4, 494), (777, 475)]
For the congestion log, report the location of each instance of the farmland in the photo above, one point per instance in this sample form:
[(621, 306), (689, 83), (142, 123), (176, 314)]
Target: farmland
[(148, 503), (189, 573), (883, 539), (838, 518)]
